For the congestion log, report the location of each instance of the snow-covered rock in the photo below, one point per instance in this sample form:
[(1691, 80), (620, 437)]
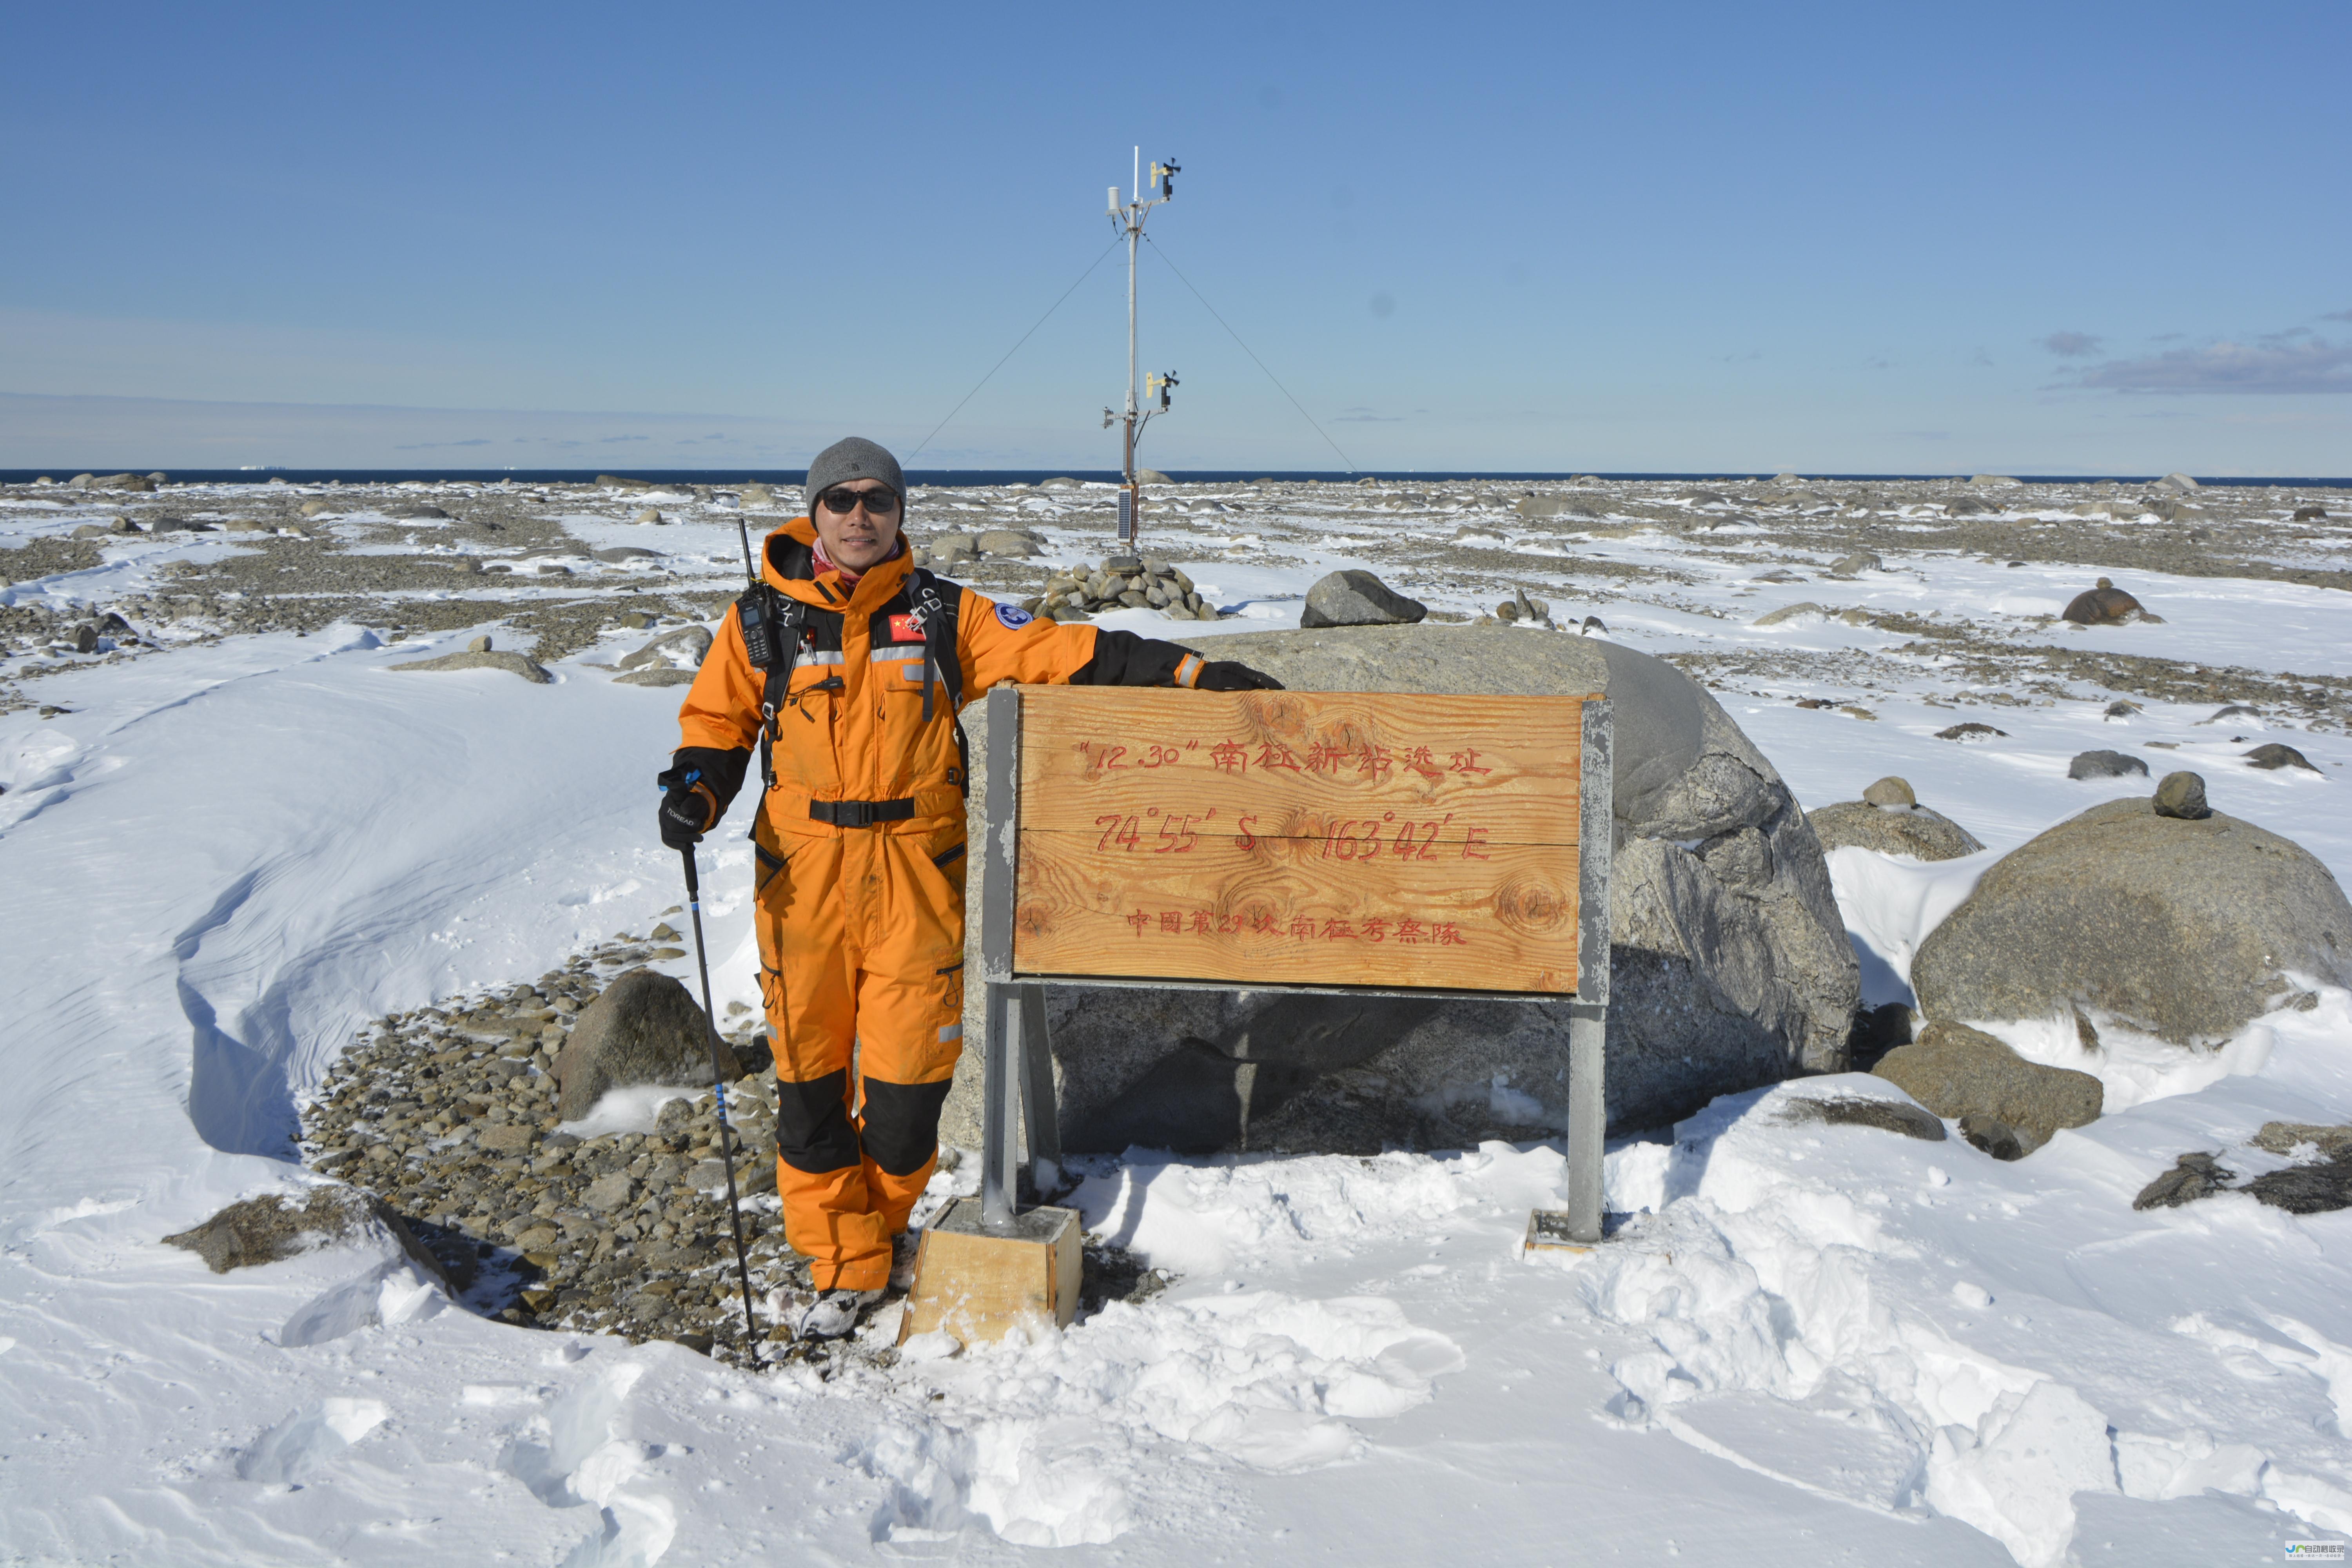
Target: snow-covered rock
[(2186, 930)]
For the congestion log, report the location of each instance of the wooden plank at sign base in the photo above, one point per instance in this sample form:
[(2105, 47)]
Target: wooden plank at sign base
[(1275, 838), (977, 1283), (1553, 1231)]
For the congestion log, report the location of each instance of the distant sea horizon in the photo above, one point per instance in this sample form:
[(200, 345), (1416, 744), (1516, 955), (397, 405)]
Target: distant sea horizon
[(976, 478)]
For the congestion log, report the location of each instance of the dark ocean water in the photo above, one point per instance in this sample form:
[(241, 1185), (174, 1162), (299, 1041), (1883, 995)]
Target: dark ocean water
[(793, 477)]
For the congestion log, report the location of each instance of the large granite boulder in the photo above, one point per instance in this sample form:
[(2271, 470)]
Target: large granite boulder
[(1730, 965), (2184, 927)]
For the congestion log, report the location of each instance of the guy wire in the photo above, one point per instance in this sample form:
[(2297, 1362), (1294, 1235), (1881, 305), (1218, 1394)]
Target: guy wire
[(1350, 462), (1015, 349)]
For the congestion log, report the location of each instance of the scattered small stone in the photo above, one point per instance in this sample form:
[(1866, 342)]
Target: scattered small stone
[(2313, 513), (687, 644), (1913, 830), (2274, 756), (1994, 1136), (2182, 796), (2322, 1187), (1891, 791), (2192, 1176), (2285, 1137), (1554, 506), (2105, 765), (1013, 542), (1858, 1110), (2234, 710), (1971, 731), (649, 515), (479, 644), (1859, 562), (2122, 708), (513, 662), (1353, 598)]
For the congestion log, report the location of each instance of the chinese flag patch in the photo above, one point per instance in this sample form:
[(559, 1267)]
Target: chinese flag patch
[(904, 629)]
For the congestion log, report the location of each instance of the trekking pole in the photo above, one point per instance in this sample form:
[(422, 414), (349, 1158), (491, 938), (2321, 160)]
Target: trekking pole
[(726, 1133)]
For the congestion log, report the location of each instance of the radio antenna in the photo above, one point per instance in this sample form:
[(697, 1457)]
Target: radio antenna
[(743, 532)]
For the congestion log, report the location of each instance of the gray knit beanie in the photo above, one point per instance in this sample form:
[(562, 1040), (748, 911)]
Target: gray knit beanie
[(854, 458)]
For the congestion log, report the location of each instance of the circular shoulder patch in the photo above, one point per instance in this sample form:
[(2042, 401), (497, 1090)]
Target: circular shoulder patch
[(1014, 617)]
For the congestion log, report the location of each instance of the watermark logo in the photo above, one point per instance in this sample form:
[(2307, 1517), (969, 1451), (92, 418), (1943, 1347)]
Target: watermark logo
[(2315, 1551)]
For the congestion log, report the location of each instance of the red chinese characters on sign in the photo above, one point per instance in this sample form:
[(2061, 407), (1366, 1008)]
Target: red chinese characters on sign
[(1402, 929), (1366, 759)]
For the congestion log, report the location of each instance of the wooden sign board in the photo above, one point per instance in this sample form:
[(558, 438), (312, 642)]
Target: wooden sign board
[(1296, 840)]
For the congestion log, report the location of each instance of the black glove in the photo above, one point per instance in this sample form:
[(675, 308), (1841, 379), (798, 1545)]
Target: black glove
[(1224, 675), (695, 789)]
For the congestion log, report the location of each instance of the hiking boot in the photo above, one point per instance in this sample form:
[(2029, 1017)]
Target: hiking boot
[(834, 1313), (904, 1248)]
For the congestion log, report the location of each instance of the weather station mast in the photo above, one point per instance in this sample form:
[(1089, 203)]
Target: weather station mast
[(1130, 218)]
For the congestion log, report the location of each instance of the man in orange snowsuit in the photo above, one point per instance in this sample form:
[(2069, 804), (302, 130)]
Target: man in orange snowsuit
[(860, 839)]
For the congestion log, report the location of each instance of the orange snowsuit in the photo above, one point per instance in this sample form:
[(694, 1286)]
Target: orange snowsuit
[(860, 843)]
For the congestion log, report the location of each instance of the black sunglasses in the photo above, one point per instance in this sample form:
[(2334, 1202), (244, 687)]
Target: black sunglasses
[(878, 503)]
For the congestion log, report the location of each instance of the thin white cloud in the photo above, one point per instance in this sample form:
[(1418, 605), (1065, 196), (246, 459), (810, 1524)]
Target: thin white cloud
[(2283, 363), (2072, 345)]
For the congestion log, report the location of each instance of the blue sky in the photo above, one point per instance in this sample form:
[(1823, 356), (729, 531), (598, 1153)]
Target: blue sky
[(2044, 238)]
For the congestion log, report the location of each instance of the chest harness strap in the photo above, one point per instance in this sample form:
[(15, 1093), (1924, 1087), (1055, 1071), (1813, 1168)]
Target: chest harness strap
[(772, 625)]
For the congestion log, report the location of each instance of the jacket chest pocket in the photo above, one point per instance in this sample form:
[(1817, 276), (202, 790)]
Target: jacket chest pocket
[(807, 729)]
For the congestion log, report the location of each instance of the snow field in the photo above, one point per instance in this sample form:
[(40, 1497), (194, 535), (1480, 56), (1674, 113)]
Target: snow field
[(1820, 1344)]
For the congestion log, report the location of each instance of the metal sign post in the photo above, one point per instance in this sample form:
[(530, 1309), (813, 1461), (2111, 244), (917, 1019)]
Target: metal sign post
[(1480, 853)]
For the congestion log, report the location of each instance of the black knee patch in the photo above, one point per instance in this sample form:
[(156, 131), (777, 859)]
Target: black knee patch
[(902, 1123), (812, 1130)]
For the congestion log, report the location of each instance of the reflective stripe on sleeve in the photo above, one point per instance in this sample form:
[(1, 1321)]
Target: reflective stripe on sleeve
[(951, 1032)]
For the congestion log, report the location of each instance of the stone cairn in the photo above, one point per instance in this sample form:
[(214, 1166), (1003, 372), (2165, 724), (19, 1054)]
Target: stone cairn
[(1121, 581)]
